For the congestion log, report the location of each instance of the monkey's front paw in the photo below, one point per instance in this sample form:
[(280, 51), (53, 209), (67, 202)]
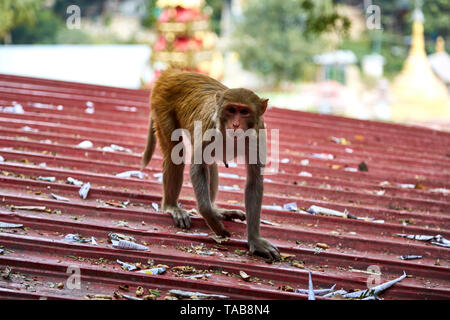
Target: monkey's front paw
[(261, 246), (181, 217), (226, 214)]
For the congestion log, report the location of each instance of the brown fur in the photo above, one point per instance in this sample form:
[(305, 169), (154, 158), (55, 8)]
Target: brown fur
[(178, 99)]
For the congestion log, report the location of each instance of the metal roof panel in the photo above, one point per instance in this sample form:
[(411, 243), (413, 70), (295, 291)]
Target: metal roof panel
[(406, 190)]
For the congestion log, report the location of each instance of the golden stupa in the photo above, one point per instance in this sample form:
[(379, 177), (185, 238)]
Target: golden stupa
[(418, 94)]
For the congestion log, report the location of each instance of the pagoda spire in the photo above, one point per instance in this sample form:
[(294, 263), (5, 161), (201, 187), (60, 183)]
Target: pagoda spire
[(417, 93), (440, 45)]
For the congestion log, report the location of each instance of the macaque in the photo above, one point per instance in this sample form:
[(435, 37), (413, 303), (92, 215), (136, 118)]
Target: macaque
[(179, 99)]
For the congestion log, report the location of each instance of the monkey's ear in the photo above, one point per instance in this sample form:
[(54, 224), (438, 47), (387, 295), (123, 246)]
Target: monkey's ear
[(219, 96), (264, 105)]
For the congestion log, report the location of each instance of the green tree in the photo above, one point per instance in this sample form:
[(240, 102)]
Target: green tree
[(151, 13), (16, 12), (216, 6), (44, 30), (277, 39)]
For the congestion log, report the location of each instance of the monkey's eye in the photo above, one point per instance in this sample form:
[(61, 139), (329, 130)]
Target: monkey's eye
[(231, 110), (244, 112)]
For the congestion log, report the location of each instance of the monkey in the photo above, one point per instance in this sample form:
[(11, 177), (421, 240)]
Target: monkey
[(178, 99)]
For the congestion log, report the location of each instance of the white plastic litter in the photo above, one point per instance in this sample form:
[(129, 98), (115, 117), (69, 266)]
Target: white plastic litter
[(201, 234), (128, 245), (84, 190), (199, 276), (153, 271), (5, 225), (228, 175), (125, 108), (331, 294), (131, 297), (49, 179), (292, 206), (195, 295), (229, 188), (131, 174), (75, 182), (440, 190), (270, 223), (305, 174), (406, 186), (127, 266), (325, 211), (159, 176), (436, 240), (70, 237), (374, 290), (29, 129), (86, 144), (324, 156), (15, 108), (115, 147), (37, 208), (42, 105), (311, 295), (272, 207), (318, 292), (304, 162), (410, 257), (59, 197)]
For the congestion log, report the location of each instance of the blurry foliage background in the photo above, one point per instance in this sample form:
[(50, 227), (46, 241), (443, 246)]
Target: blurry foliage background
[(275, 39)]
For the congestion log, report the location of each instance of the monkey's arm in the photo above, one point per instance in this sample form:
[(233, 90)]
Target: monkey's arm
[(253, 200), (200, 177)]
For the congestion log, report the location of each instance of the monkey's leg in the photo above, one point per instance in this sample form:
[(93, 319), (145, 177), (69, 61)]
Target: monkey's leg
[(172, 183), (253, 200), (172, 173), (225, 214)]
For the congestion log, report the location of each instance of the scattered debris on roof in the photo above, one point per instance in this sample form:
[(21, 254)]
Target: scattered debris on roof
[(349, 197)]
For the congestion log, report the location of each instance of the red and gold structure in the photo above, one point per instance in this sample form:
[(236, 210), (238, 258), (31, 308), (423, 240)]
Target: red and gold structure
[(185, 39)]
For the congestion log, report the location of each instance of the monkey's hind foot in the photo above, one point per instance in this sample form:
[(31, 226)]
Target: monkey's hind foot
[(181, 217), (227, 214)]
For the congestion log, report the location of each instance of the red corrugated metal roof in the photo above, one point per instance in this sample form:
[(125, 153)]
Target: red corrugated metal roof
[(406, 185)]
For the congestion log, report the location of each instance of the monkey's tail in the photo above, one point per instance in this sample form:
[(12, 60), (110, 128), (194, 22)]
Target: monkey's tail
[(151, 143)]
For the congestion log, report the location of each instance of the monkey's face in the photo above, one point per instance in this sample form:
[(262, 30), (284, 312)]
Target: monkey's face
[(239, 110), (238, 116)]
